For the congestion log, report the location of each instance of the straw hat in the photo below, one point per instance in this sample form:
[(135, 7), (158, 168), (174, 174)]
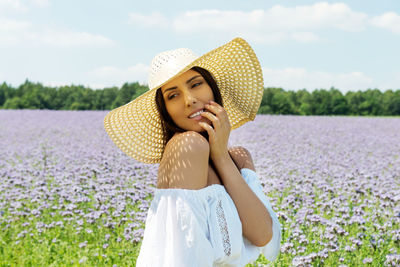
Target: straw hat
[(136, 126)]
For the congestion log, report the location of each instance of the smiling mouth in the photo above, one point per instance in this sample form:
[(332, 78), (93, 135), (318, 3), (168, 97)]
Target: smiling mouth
[(196, 114)]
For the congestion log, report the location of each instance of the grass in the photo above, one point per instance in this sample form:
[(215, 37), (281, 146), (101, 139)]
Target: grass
[(22, 244)]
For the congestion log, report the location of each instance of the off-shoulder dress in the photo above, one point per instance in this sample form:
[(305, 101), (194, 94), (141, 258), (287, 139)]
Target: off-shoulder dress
[(190, 228)]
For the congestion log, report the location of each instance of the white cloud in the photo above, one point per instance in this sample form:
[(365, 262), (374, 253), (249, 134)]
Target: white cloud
[(10, 30), (277, 18), (273, 25), (22, 32), (154, 19), (392, 81), (317, 16), (14, 32), (273, 37), (8, 40), (114, 76), (389, 21), (12, 5), (86, 84), (299, 78), (287, 78), (305, 37), (9, 25), (70, 38), (41, 3)]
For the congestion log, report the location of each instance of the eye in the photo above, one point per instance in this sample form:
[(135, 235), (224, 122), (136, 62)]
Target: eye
[(171, 96), (197, 84)]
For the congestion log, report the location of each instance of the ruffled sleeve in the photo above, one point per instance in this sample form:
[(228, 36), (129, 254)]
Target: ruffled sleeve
[(175, 231), (272, 249)]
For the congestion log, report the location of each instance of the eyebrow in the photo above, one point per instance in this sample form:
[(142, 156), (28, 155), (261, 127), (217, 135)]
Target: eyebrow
[(188, 81)]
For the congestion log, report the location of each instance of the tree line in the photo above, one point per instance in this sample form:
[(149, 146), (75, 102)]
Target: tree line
[(372, 102)]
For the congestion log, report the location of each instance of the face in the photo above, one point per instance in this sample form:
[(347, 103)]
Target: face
[(185, 95)]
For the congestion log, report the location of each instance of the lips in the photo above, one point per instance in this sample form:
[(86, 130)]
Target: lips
[(195, 112)]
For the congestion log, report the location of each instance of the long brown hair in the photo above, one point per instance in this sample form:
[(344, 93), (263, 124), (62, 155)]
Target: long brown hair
[(168, 125)]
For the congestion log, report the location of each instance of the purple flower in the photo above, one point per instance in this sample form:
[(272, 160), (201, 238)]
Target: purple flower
[(323, 176), (83, 244), (367, 260), (107, 237)]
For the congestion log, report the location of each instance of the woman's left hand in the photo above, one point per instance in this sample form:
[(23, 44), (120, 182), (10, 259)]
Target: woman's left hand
[(219, 135)]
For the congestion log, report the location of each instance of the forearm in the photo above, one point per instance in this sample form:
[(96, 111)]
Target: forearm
[(255, 218)]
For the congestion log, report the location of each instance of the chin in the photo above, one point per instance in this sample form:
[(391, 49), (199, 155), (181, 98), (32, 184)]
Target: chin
[(197, 129)]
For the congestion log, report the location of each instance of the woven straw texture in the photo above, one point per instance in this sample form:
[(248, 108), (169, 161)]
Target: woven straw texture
[(136, 126)]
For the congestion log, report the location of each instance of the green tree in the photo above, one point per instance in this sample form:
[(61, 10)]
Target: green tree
[(304, 100), (266, 100), (109, 95), (64, 97), (264, 110), (339, 104), (274, 101), (391, 102), (125, 95), (139, 90), (371, 104), (79, 106), (14, 103), (395, 105), (294, 102), (321, 102), (6, 92), (3, 97), (280, 104), (354, 100)]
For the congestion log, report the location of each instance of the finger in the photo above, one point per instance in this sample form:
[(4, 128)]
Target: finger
[(215, 121), (209, 115), (214, 107), (216, 111), (208, 128), (219, 111), (215, 104)]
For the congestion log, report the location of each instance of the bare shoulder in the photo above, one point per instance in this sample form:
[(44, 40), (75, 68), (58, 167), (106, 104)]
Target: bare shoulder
[(187, 138), (242, 157), (184, 162)]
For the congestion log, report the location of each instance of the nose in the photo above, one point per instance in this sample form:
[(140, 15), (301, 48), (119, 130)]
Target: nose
[(189, 98)]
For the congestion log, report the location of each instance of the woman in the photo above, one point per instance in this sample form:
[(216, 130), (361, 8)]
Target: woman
[(209, 208)]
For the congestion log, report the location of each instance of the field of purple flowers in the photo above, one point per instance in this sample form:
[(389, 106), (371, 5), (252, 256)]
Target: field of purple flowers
[(69, 196)]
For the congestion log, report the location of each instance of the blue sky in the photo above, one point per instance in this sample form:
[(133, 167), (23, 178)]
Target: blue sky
[(350, 45)]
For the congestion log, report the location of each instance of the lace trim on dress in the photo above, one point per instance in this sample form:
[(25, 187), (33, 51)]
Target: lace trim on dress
[(224, 229)]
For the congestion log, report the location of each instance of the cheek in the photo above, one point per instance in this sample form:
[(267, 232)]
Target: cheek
[(210, 94), (204, 93), (173, 111)]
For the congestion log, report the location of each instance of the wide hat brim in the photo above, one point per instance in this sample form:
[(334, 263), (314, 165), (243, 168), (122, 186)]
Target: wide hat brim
[(136, 126)]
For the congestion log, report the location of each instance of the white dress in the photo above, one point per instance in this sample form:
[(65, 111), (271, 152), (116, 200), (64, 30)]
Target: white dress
[(202, 228)]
